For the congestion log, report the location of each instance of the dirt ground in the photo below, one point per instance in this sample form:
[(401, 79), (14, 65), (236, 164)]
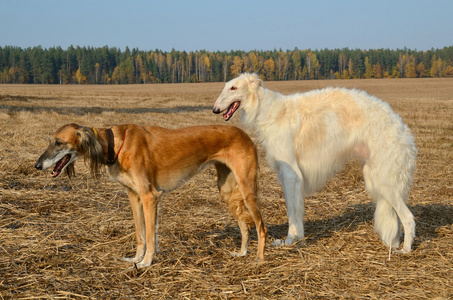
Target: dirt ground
[(65, 238)]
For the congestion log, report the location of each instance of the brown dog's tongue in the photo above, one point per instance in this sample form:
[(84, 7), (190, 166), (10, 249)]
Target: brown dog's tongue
[(59, 166)]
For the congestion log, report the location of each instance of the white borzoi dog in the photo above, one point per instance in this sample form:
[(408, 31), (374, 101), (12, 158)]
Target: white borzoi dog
[(309, 136)]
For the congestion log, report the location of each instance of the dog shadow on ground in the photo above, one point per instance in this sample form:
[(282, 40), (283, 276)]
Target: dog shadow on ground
[(428, 218), (323, 228)]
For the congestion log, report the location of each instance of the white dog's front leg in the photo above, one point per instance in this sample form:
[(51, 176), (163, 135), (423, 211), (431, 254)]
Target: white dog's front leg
[(291, 180)]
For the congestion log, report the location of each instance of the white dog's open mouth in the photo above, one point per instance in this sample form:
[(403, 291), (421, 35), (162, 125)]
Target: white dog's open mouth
[(59, 166), (231, 110)]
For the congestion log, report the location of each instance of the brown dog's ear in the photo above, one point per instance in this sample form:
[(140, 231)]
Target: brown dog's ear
[(91, 149), (70, 170)]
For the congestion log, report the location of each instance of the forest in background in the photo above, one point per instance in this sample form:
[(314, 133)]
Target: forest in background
[(110, 65)]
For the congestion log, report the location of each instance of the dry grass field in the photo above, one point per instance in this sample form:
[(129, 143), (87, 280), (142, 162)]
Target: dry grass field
[(64, 239)]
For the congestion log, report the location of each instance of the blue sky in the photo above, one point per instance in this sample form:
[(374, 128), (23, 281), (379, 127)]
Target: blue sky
[(228, 25)]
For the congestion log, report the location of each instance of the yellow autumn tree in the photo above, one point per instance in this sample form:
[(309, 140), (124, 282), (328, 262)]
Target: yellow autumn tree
[(205, 67), (387, 74), (409, 70), (79, 78), (421, 70), (437, 66), (395, 72), (368, 68), (254, 63), (312, 65), (282, 65), (342, 62), (304, 72), (351, 68), (247, 63), (97, 69), (236, 67), (345, 74), (448, 72), (116, 75), (140, 67), (377, 70), (297, 63), (13, 74), (269, 69)]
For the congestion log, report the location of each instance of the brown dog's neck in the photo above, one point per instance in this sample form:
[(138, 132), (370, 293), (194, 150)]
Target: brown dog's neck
[(95, 132), (106, 138), (101, 136)]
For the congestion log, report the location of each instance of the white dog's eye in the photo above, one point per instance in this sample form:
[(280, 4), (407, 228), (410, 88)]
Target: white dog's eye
[(233, 88)]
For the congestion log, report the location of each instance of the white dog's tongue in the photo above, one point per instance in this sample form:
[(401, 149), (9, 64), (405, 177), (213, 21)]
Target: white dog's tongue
[(231, 110)]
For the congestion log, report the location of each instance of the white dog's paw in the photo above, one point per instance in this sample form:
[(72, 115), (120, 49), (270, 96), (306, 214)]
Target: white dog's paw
[(283, 243)]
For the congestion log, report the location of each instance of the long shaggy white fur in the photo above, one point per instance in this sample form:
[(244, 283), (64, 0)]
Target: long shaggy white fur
[(308, 137)]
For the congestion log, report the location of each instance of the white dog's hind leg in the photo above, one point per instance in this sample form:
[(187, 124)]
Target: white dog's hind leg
[(387, 224), (391, 212), (407, 219), (291, 180)]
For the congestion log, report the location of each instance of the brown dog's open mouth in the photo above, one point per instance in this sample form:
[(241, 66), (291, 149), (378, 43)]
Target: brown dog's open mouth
[(231, 110), (59, 166)]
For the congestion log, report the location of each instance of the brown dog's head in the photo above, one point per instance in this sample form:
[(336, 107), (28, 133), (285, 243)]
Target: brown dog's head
[(66, 145)]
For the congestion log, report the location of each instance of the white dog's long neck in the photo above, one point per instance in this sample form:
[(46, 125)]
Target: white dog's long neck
[(268, 103)]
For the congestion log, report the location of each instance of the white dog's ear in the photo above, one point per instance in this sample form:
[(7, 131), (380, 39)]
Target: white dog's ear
[(255, 82)]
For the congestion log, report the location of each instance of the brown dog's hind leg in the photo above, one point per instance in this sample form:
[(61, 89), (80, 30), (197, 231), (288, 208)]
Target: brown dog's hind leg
[(245, 221), (229, 192), (245, 172)]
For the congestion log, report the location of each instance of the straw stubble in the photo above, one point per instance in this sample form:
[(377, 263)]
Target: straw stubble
[(65, 239)]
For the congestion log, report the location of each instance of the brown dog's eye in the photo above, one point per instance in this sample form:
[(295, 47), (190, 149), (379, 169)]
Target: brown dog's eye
[(58, 143), (233, 88)]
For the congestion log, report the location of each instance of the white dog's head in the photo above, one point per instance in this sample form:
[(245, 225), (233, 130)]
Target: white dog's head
[(238, 93)]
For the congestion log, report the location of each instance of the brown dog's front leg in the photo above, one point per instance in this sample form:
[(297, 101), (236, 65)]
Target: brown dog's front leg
[(139, 219), (149, 203)]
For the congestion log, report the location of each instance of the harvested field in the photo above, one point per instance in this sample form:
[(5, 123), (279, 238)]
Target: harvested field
[(64, 239)]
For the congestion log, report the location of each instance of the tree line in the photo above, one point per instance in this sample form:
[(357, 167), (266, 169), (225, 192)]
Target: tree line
[(88, 65)]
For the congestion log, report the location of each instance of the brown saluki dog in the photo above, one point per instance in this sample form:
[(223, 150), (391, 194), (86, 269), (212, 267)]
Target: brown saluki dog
[(149, 161)]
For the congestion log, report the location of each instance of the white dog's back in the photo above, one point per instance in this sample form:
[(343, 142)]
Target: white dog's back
[(334, 125)]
